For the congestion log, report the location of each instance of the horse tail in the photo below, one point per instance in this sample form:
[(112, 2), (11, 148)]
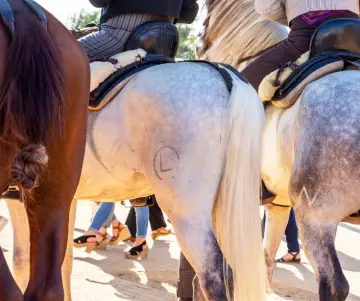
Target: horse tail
[(237, 211), (31, 99)]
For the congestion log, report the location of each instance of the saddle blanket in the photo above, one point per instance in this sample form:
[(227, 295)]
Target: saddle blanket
[(100, 71)]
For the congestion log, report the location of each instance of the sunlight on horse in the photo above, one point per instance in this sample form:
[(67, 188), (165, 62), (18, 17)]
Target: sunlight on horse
[(152, 137), (319, 183), (43, 129)]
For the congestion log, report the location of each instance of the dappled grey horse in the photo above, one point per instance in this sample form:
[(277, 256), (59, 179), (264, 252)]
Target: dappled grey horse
[(192, 137), (310, 150)]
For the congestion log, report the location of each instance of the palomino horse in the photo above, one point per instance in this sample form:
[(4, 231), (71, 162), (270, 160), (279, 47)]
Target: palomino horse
[(310, 149), (44, 93), (181, 132)]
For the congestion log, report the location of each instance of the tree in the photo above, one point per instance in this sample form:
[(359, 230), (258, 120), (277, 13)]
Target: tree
[(79, 20), (187, 42)]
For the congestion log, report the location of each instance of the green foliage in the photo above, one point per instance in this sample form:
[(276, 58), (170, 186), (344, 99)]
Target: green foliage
[(81, 19), (187, 42)]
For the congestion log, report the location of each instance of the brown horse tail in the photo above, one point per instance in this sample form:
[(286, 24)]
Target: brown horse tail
[(31, 98)]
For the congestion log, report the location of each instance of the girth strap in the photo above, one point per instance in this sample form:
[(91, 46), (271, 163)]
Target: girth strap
[(7, 16), (36, 8), (223, 72)]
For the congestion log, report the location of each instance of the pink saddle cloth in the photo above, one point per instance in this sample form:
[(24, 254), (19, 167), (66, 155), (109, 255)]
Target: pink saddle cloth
[(316, 16)]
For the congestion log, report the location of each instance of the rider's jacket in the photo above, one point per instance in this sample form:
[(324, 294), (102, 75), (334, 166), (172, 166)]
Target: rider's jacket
[(283, 11), (184, 11)]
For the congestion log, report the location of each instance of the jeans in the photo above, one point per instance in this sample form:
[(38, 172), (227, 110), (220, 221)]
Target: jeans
[(291, 234), (142, 221), (103, 216), (156, 219)]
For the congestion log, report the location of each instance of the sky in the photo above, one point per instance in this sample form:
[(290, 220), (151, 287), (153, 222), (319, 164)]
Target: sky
[(65, 8)]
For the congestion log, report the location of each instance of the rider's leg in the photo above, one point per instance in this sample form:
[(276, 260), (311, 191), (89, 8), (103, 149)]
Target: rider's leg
[(114, 33), (289, 50)]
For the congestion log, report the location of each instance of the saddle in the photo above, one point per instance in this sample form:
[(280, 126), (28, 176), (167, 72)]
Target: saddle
[(334, 46), (151, 44)]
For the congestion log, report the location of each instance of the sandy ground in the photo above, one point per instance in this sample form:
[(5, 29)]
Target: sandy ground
[(107, 275)]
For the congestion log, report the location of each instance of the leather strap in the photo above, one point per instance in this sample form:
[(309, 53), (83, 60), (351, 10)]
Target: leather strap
[(7, 16), (36, 8)]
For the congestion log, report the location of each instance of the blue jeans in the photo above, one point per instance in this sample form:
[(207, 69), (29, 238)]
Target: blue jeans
[(291, 233), (142, 221), (103, 216)]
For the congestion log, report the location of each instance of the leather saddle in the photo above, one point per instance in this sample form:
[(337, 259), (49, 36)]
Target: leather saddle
[(159, 39), (334, 41)]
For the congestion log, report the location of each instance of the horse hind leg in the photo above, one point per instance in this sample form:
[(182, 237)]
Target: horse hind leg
[(317, 229), (319, 244), (203, 252), (193, 227)]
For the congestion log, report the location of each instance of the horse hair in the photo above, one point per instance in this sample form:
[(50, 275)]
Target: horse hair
[(31, 97)]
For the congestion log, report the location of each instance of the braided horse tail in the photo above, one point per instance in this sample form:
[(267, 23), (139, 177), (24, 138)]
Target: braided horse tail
[(31, 97)]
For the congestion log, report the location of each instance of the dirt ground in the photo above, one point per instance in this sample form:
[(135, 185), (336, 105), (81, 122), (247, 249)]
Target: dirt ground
[(107, 275)]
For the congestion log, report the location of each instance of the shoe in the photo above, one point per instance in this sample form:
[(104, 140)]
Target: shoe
[(139, 252), (161, 232), (122, 235), (292, 260), (82, 242)]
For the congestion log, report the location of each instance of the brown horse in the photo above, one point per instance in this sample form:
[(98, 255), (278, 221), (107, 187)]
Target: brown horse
[(44, 78)]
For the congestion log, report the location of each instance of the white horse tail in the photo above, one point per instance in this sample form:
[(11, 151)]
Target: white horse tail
[(237, 211)]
